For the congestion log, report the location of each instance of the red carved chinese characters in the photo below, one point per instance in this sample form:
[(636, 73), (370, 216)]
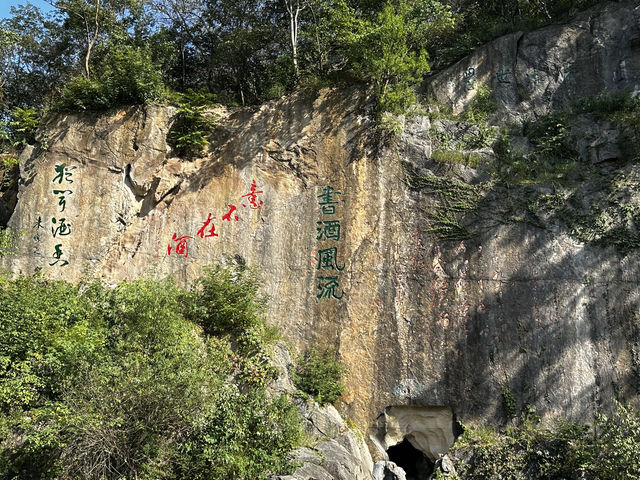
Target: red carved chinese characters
[(252, 196), (208, 228), (227, 216), (181, 247), (212, 230)]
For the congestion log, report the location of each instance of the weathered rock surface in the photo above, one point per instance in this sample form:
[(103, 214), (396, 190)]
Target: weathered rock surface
[(388, 471), (444, 465), (428, 429), (536, 72), (337, 451), (8, 188), (419, 321)]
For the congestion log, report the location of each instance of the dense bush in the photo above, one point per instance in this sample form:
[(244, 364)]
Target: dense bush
[(123, 383), (553, 158), (609, 449), (128, 76), (319, 374), (616, 446), (82, 94), (192, 124), (24, 123), (131, 76), (226, 300), (7, 241), (481, 107), (606, 105)]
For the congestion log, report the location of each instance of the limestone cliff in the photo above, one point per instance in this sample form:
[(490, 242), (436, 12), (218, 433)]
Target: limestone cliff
[(342, 224)]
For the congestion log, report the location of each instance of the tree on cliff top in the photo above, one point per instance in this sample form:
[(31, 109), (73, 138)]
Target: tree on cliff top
[(249, 51), (382, 43)]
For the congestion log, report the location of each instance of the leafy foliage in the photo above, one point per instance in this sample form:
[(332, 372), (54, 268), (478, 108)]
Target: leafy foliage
[(7, 242), (24, 123), (480, 107), (553, 159), (319, 374), (84, 94), (449, 200), (225, 300), (509, 402), (616, 452), (102, 383), (607, 105), (128, 76), (386, 47), (609, 449), (192, 124)]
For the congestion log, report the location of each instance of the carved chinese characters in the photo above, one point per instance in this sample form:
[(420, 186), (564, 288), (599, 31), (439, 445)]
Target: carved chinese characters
[(328, 235), (180, 244)]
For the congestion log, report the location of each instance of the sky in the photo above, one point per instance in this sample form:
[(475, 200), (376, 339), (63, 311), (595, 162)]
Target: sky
[(5, 6)]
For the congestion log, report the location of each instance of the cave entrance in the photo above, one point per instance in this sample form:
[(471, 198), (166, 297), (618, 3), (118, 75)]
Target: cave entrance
[(415, 463), (414, 437)]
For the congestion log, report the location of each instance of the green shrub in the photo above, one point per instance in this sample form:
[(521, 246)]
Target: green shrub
[(313, 83), (225, 300), (100, 383), (481, 107), (82, 94), (24, 123), (480, 435), (553, 159), (607, 104), (455, 157), (390, 124), (191, 125), (396, 99), (130, 76), (247, 435), (7, 242), (127, 77), (551, 136), (509, 402), (9, 162), (616, 453), (319, 374), (607, 450), (529, 450)]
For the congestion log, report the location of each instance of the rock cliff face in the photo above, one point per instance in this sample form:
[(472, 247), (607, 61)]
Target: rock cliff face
[(341, 225), (536, 72)]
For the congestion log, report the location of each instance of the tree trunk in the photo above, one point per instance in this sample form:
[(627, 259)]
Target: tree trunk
[(93, 39), (294, 12), (318, 44), (294, 43), (184, 66)]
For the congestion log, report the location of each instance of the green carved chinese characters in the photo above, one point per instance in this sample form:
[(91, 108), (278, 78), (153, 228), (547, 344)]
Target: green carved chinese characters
[(328, 233)]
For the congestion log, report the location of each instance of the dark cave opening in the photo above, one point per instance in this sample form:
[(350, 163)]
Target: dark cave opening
[(415, 464)]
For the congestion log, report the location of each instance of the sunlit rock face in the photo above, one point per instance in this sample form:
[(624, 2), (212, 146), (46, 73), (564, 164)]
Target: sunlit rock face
[(307, 190)]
